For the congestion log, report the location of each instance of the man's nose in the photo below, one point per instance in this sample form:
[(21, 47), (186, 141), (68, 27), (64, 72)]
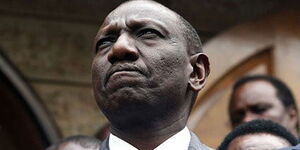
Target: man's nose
[(249, 117), (123, 50)]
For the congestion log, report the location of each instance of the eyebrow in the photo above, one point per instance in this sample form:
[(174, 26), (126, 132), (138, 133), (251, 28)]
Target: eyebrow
[(137, 23), (132, 24), (107, 30)]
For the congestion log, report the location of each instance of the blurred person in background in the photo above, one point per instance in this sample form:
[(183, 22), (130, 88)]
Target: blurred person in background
[(79, 142), (263, 97), (258, 135)]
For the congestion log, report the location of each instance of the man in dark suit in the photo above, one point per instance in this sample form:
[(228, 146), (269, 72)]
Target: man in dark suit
[(147, 70)]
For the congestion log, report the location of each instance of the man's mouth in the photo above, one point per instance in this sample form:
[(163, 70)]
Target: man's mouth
[(124, 70)]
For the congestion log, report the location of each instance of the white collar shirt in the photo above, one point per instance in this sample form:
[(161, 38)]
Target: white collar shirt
[(179, 141)]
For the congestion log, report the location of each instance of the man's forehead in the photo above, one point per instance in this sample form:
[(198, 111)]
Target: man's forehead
[(258, 139), (258, 86), (141, 8)]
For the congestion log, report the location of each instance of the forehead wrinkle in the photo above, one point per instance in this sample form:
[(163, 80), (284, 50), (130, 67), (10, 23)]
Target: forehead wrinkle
[(129, 23), (135, 22), (112, 27), (144, 8)]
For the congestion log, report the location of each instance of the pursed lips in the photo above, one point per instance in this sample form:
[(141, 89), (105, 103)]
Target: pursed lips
[(123, 68)]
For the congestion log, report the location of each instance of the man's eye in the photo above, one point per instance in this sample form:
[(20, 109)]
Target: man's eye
[(259, 109), (103, 43), (149, 34)]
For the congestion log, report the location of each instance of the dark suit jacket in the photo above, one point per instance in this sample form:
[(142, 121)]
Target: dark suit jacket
[(195, 144)]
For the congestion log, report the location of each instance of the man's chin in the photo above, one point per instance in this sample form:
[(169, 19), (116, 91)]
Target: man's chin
[(133, 116), (123, 97)]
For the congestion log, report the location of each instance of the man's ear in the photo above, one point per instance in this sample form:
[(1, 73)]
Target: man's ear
[(200, 64), (293, 116)]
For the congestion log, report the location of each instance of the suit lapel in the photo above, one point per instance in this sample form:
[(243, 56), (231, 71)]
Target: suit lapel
[(105, 144)]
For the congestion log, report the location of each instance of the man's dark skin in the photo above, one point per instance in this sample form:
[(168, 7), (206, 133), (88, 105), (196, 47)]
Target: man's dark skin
[(145, 75)]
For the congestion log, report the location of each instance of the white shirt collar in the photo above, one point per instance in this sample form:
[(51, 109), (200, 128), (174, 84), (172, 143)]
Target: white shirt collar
[(179, 141)]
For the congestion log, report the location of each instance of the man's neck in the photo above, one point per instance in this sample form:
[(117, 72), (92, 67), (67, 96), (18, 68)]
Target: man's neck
[(150, 139)]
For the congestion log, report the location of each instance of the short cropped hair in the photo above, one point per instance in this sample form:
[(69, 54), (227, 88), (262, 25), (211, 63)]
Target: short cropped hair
[(256, 127), (82, 140), (191, 36), (193, 42)]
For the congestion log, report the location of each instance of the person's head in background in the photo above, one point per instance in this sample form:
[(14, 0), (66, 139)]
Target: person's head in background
[(79, 142), (263, 97), (258, 135)]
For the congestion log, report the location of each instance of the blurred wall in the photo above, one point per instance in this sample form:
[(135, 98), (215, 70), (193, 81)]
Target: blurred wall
[(54, 54)]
